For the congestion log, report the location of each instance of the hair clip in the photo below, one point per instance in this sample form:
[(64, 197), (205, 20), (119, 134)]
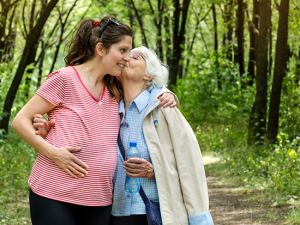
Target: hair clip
[(95, 23)]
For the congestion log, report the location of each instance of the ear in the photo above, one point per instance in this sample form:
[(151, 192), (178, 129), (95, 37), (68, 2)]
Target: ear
[(147, 78), (100, 50)]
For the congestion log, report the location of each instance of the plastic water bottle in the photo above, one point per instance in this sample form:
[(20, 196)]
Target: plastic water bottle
[(133, 184)]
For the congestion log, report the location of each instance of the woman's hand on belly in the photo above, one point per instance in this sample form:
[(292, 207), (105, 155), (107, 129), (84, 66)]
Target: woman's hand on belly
[(139, 168), (68, 162)]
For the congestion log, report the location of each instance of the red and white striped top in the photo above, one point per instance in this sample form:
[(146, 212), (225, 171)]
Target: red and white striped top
[(79, 121)]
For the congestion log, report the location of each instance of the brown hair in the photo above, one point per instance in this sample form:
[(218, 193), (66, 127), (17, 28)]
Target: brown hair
[(82, 46)]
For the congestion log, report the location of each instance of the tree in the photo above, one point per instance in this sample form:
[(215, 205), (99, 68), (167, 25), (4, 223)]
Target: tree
[(6, 7), (31, 41), (253, 30), (281, 58), (139, 18), (216, 46), (257, 122), (180, 11), (63, 23), (240, 37)]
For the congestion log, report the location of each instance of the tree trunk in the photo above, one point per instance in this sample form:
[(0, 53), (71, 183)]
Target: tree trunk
[(178, 37), (10, 39), (253, 29), (29, 72), (168, 39), (42, 57), (139, 18), (257, 123), (229, 15), (270, 49), (240, 37), (31, 40), (279, 71), (216, 47), (62, 31), (3, 17)]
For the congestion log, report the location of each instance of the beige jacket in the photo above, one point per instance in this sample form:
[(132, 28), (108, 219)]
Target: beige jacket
[(178, 166)]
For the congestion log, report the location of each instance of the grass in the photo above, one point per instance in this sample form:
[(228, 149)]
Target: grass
[(277, 207)]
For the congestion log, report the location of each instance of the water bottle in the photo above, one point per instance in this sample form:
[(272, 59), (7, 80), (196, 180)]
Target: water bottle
[(133, 184)]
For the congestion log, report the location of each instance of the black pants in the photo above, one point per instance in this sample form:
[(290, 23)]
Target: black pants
[(44, 211), (128, 220)]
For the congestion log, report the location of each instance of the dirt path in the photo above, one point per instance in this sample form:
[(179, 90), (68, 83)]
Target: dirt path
[(232, 204)]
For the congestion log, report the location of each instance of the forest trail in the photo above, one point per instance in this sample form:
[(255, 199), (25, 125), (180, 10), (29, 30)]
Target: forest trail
[(233, 204)]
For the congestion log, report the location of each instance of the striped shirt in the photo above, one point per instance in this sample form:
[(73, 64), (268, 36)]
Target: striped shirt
[(79, 121)]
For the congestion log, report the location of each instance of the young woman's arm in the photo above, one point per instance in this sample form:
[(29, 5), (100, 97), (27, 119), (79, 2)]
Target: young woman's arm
[(22, 124)]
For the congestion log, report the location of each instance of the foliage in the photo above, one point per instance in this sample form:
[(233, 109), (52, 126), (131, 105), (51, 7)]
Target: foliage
[(220, 118), (16, 160)]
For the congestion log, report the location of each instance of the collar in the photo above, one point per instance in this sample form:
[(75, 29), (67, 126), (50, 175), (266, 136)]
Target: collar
[(141, 103), (142, 100)]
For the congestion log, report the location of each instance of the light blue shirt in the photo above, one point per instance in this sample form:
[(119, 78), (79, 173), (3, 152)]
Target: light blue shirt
[(131, 129)]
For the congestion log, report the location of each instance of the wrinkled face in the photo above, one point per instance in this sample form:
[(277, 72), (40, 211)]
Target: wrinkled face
[(117, 57), (135, 69)]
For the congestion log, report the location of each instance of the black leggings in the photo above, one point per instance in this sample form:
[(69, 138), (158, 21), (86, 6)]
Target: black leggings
[(128, 220), (44, 211)]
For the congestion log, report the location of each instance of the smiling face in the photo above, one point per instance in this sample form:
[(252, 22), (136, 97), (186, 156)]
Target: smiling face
[(116, 58)]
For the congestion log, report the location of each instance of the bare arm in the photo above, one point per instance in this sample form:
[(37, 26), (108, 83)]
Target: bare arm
[(22, 124)]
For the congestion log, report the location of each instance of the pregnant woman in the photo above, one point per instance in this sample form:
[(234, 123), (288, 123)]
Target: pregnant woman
[(71, 180)]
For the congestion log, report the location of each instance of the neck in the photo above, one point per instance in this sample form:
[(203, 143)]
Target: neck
[(131, 91), (96, 71)]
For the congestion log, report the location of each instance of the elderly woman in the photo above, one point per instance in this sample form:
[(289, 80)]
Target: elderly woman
[(171, 167)]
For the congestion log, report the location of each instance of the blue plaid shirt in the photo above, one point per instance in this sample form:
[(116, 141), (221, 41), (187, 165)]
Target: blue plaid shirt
[(131, 129)]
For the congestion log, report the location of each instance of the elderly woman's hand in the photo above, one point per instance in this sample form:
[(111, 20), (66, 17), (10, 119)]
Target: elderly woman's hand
[(139, 168), (167, 99)]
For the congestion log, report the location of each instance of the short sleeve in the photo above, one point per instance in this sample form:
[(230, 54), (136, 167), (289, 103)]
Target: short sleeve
[(53, 90)]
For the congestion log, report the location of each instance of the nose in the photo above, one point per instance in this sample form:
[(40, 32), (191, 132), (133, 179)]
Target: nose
[(127, 57)]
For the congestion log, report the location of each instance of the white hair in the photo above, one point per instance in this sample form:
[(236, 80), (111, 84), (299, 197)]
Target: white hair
[(154, 67)]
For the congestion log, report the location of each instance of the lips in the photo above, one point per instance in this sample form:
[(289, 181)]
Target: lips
[(121, 65)]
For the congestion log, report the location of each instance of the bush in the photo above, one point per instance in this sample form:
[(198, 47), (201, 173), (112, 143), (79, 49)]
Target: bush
[(219, 118)]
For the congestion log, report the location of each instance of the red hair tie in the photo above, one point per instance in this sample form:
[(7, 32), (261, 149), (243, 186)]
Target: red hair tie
[(95, 23)]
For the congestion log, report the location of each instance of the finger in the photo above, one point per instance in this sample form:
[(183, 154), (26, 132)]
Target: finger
[(163, 101), (135, 171), (80, 163), (173, 105), (73, 149), (38, 125), (51, 123), (70, 173), (133, 165), (39, 120), (75, 171), (132, 175), (38, 116), (80, 171), (136, 160), (170, 102)]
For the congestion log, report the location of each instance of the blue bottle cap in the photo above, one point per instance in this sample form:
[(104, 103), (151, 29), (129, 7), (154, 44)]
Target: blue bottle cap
[(132, 144)]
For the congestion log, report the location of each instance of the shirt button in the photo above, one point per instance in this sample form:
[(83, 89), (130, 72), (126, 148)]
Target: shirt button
[(128, 196), (130, 108)]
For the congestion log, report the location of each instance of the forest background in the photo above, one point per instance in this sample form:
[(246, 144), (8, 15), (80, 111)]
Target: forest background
[(234, 64)]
